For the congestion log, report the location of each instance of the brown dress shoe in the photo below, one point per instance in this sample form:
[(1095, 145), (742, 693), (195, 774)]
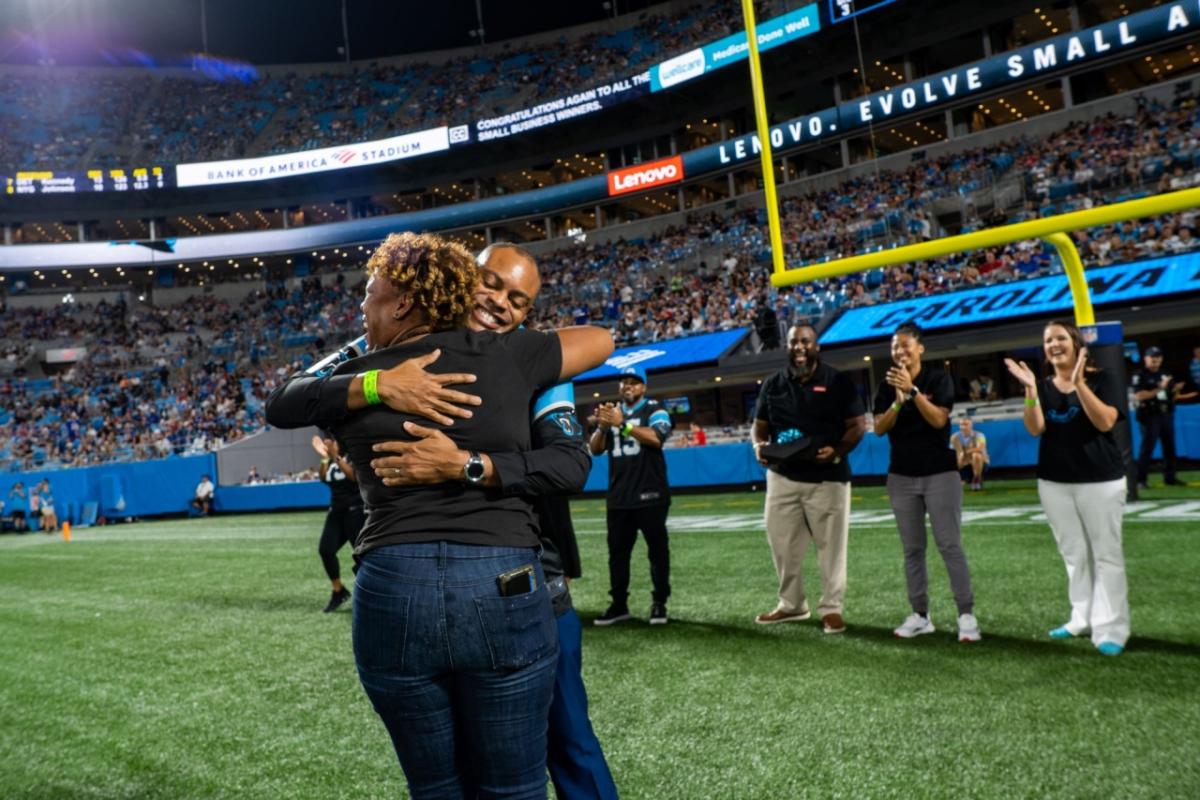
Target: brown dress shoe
[(834, 623), (779, 615)]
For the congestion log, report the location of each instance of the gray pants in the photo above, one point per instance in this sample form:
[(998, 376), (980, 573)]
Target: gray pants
[(941, 497)]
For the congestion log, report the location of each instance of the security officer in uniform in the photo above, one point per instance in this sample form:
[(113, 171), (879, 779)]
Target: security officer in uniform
[(633, 434), (1155, 391)]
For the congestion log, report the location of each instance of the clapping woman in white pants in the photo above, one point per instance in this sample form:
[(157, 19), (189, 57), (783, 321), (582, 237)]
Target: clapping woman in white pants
[(1081, 481)]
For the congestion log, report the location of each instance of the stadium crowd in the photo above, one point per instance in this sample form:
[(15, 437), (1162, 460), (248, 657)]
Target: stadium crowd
[(192, 376), (213, 114)]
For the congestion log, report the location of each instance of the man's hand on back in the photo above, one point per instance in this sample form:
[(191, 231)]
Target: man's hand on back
[(409, 388)]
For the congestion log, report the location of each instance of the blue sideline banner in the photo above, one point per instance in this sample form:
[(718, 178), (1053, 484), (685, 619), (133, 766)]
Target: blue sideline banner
[(734, 48), (1142, 280), (1009, 445), (692, 350)]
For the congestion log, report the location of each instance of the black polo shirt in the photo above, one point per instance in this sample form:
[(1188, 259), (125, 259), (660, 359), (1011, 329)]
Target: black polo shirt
[(917, 448), (1071, 449), (817, 408), (509, 368)]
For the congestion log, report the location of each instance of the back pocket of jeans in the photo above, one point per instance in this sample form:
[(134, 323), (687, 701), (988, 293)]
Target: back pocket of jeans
[(380, 631), (519, 630)]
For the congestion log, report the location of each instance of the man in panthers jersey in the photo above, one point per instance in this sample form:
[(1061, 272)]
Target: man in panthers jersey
[(633, 433)]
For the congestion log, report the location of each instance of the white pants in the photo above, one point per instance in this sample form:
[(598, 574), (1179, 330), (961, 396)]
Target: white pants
[(1086, 521)]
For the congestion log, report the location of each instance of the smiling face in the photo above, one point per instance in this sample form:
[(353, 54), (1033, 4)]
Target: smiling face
[(508, 284), (1059, 347), (631, 390), (907, 350), (803, 349), (965, 426)]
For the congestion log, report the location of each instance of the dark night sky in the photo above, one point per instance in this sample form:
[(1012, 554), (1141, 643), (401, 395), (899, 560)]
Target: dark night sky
[(269, 31)]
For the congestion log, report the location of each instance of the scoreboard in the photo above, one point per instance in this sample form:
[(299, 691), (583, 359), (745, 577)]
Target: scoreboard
[(842, 10), (92, 180)]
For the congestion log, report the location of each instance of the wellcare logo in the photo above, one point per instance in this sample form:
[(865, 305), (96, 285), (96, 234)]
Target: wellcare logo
[(644, 176), (681, 68)]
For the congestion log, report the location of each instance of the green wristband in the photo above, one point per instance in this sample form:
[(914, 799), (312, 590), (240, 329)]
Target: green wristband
[(371, 387), (897, 406), (626, 428), (1031, 401)]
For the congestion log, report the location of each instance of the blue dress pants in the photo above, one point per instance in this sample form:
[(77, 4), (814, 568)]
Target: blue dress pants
[(576, 762)]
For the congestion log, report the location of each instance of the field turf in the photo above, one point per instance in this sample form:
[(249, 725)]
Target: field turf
[(189, 658)]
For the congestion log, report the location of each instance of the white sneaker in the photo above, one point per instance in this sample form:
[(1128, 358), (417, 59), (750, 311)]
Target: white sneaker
[(968, 628), (914, 625)]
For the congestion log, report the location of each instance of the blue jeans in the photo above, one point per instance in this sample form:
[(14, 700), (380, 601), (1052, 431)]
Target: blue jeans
[(576, 762), (461, 677)]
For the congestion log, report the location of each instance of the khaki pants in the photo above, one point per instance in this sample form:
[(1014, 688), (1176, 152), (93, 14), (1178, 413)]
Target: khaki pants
[(798, 513)]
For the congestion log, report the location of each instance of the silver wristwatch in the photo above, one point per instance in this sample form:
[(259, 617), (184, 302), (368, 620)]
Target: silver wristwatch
[(473, 470)]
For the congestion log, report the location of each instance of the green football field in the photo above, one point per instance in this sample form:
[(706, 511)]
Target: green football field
[(190, 658)]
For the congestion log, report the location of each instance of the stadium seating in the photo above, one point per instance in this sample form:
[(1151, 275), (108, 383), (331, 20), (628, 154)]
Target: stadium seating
[(178, 117), (192, 376)]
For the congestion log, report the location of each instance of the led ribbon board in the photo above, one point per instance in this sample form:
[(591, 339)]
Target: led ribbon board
[(1153, 279)]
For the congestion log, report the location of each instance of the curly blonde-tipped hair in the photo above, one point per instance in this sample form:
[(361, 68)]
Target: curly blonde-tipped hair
[(440, 274)]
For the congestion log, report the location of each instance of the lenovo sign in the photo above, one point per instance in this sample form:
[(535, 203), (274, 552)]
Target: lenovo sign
[(645, 176)]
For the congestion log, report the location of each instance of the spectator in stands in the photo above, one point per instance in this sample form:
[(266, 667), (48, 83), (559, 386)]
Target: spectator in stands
[(983, 388), (18, 507), (252, 477), (808, 493), (913, 408), (970, 446), (1081, 481), (1194, 368), (49, 517), (203, 497), (699, 437)]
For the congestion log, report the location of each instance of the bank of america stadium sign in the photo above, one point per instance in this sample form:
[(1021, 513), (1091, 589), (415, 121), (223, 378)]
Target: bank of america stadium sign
[(308, 162)]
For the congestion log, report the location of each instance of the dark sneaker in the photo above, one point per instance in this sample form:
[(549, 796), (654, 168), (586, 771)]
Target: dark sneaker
[(658, 614), (336, 600), (614, 615)]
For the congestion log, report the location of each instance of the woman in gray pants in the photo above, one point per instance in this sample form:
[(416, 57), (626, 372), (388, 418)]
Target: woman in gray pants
[(913, 408)]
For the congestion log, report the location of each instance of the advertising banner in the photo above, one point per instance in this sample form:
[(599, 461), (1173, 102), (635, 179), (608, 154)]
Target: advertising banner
[(1155, 278), (1045, 58), (645, 176), (734, 48), (307, 162)]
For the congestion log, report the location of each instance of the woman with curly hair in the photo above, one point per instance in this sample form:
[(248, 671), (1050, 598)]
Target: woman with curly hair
[(454, 637), (1081, 481)]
